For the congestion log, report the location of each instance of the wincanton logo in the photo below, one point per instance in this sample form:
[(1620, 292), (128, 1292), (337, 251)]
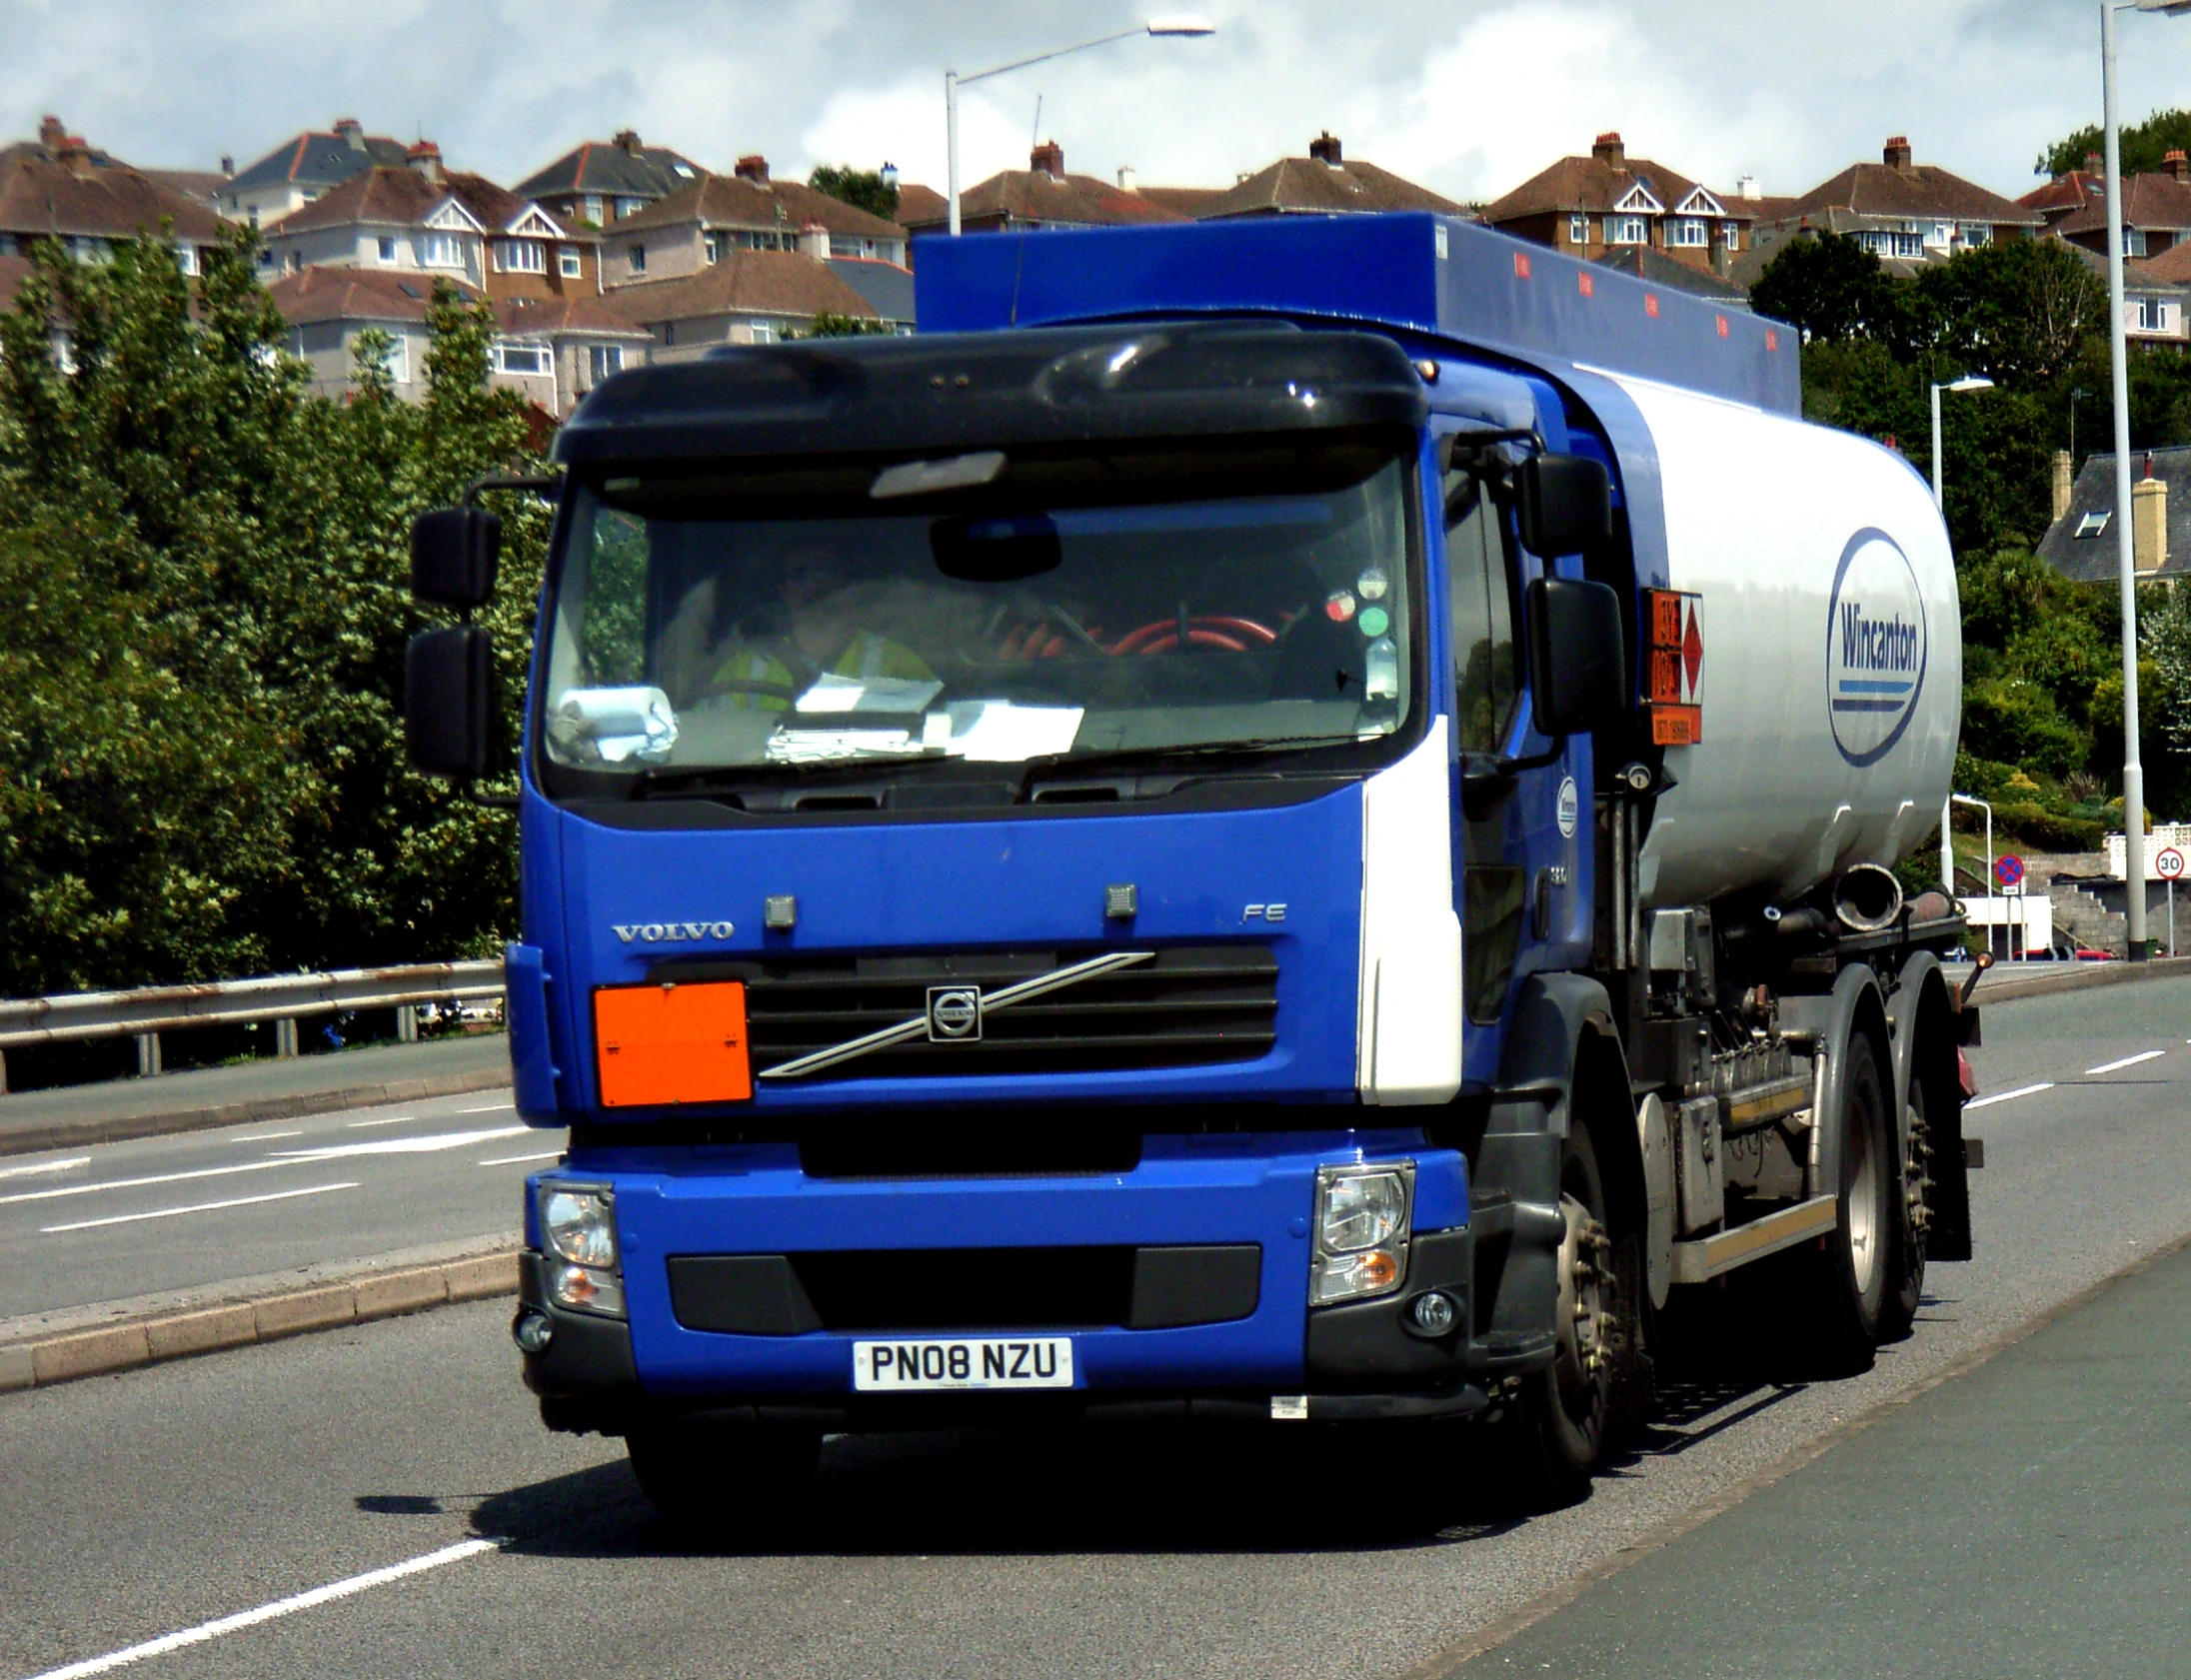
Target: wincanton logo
[(1875, 648)]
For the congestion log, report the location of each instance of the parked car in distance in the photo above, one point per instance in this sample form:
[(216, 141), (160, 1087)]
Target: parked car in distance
[(2068, 951)]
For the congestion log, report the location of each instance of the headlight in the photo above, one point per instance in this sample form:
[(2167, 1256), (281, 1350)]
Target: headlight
[(1362, 1216), (579, 1225), (587, 1289)]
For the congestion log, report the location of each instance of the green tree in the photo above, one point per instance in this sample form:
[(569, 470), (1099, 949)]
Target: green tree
[(829, 325), (1832, 289), (2143, 145), (862, 188)]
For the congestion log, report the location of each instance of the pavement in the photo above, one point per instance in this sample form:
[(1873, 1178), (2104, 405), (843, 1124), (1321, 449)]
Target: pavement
[(271, 1089), (380, 1499)]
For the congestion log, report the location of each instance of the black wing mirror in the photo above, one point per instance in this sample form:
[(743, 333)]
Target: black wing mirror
[(454, 554), (1564, 504), (446, 702), (1577, 673)]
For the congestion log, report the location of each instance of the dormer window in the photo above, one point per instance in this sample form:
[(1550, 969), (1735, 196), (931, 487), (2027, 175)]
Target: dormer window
[(2133, 242), (2092, 524), (521, 256), (1689, 231), (1626, 229), (443, 250)]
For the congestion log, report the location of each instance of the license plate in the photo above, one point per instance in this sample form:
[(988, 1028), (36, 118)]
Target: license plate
[(963, 1362)]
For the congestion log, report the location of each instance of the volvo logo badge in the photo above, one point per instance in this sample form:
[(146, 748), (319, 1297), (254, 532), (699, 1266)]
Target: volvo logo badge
[(955, 1013)]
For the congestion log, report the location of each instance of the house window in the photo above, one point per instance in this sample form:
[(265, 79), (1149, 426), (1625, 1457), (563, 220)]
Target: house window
[(186, 258), (567, 262), (1731, 232), (521, 256), (2133, 242), (2092, 525), (529, 359), (602, 360), (296, 261), (2152, 315), (265, 257), (593, 208), (1626, 229), (764, 332), (1943, 233), (713, 244), (1976, 234), (669, 332), (1690, 231), (388, 248), (1881, 243), (397, 363), (625, 206), (444, 249), (1578, 230), (636, 255)]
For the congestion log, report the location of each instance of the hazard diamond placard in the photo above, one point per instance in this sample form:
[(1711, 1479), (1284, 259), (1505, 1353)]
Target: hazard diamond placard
[(1673, 675)]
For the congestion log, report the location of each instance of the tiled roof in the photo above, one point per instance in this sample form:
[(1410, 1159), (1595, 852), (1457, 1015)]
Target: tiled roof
[(2149, 201), (1592, 184), (1644, 262), (923, 205), (1310, 186), (730, 201), (41, 195), (351, 293), (317, 159), (2094, 557), (887, 287), (2137, 276), (2064, 192), (1922, 191), (1186, 201), (1026, 195), (201, 186), (612, 169), (2172, 266), (386, 197), (528, 316), (743, 283)]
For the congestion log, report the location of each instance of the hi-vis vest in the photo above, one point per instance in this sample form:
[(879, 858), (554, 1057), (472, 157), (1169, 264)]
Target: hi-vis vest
[(865, 655)]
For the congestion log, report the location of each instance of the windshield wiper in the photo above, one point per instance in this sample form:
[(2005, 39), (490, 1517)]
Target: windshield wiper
[(1073, 765)]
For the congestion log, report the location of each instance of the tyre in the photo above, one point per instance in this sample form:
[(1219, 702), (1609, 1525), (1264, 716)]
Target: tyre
[(723, 1478), (1596, 1390), (1841, 1289), (1907, 1225)]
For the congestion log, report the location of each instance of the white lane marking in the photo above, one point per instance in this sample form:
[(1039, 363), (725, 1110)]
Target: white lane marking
[(427, 1145), (44, 1168), (487, 1109), (392, 1121), (137, 1183), (268, 1612), (2127, 1061), (2020, 1090), (512, 1160), (265, 1137), (195, 1207)]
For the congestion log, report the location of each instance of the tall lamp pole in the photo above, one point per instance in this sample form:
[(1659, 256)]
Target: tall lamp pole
[(2126, 564), (1968, 382), (1184, 23)]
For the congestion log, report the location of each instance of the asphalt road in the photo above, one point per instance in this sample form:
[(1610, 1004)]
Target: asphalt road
[(163, 1500), (117, 1220)]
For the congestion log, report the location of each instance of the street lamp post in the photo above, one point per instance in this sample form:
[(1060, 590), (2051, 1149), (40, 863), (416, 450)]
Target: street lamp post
[(1968, 382), (1184, 23), (2126, 564)]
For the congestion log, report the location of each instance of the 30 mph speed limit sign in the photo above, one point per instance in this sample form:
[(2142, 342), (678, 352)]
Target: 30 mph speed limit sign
[(2168, 863)]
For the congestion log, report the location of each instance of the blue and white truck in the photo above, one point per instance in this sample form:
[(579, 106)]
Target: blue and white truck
[(1271, 822)]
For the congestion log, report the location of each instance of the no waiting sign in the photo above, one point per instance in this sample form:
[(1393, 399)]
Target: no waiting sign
[(2009, 869), (2168, 863)]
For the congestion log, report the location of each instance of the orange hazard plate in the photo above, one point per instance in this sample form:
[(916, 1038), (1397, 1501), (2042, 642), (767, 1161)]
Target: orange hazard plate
[(672, 1043), (1676, 725)]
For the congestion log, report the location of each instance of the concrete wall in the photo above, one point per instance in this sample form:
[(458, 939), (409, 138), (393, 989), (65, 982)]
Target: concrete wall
[(671, 253)]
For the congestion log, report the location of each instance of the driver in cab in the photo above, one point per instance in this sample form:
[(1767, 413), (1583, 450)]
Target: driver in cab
[(819, 620)]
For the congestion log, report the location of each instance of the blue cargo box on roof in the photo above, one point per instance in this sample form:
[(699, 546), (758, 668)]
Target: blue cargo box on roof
[(1411, 272)]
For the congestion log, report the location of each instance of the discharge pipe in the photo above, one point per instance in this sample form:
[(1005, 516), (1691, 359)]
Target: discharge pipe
[(1867, 898)]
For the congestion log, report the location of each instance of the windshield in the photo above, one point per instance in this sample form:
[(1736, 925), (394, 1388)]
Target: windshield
[(982, 609)]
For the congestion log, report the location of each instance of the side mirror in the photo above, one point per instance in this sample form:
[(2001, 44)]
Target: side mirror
[(446, 677), (1564, 502), (454, 553), (1578, 676)]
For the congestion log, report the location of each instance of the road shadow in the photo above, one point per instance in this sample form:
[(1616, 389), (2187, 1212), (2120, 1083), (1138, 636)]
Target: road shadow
[(1039, 1493)]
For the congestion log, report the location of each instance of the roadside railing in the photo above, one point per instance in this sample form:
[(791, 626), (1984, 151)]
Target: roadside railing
[(283, 999)]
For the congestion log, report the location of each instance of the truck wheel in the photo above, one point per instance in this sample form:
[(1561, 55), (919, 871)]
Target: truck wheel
[(722, 1478), (1569, 1414), (1843, 1286), (1906, 1253)]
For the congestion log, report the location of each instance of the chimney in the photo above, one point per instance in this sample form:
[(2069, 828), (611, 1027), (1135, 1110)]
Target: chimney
[(1745, 187), (1048, 158), (75, 155), (1125, 177), (1325, 150), (813, 241), (1896, 152), (2064, 477), (227, 165), (2149, 520), (2093, 163), (754, 168), (424, 157), (352, 132), (1609, 150), (2176, 164), (52, 134), (626, 140)]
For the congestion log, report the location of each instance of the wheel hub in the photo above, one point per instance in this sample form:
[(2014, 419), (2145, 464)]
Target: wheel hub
[(1585, 1322)]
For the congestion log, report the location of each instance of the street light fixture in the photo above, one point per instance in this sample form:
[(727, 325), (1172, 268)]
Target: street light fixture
[(2126, 565), (1968, 382), (1176, 23)]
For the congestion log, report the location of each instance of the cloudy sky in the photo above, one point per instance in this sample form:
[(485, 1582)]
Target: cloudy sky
[(1469, 97)]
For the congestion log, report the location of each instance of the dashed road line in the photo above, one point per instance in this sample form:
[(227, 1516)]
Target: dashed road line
[(432, 1143), (2126, 1061), (2006, 1095), (140, 1184), (487, 1109), (390, 1120), (513, 1160), (42, 1168), (195, 1207)]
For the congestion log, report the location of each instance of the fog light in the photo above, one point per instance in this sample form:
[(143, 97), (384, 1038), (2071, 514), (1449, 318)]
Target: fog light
[(532, 1332), (587, 1288), (1433, 1314)]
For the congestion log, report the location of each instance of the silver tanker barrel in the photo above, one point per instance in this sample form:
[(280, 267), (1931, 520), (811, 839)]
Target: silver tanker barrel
[(1821, 644)]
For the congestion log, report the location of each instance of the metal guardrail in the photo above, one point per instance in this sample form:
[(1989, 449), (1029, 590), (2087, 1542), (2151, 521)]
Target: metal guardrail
[(281, 999)]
